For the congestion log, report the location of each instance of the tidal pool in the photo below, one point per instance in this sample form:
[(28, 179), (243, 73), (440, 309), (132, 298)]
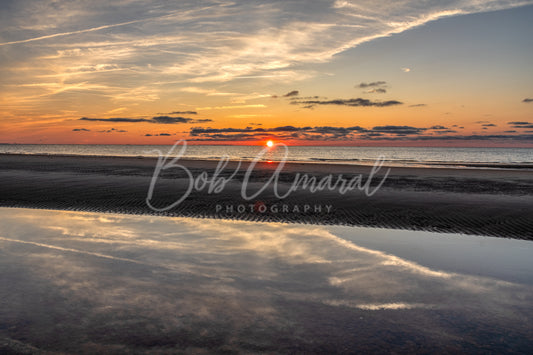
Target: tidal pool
[(81, 282)]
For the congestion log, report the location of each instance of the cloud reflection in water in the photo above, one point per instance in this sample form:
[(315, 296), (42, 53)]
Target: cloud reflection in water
[(90, 282)]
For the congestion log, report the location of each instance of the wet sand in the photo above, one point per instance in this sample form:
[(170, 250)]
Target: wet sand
[(480, 201)]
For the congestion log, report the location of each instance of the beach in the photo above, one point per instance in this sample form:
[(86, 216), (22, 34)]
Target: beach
[(266, 177), (471, 200)]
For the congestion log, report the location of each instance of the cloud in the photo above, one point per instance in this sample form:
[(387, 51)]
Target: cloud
[(520, 124), (182, 113), (81, 130), (231, 107), (486, 124), (476, 137), (137, 50), (195, 131), (376, 87), (398, 130), (155, 119), (351, 133), (282, 129), (158, 135), (305, 132), (188, 41), (372, 84), (112, 130), (444, 131), (292, 93), (236, 98), (359, 102), (170, 119), (344, 130), (115, 119), (528, 100), (281, 132), (418, 105), (93, 29), (376, 91)]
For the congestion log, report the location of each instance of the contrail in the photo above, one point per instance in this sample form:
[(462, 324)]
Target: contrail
[(169, 15), (71, 33), (48, 246)]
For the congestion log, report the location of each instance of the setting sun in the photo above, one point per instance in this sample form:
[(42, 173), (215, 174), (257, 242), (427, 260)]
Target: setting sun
[(269, 144)]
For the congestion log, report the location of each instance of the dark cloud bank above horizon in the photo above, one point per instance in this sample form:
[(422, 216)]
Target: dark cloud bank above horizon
[(329, 133)]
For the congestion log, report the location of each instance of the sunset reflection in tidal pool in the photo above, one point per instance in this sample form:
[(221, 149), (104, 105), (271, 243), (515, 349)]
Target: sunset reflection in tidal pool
[(86, 282)]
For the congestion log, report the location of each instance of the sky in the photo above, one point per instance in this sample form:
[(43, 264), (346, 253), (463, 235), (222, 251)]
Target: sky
[(369, 72)]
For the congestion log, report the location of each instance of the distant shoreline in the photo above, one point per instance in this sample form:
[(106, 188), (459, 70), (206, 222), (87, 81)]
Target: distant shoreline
[(493, 202), (337, 162)]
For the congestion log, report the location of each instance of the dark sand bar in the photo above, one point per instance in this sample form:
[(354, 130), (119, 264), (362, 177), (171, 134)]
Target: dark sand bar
[(481, 201)]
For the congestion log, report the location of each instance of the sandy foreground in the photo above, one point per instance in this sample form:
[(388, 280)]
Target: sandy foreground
[(481, 201)]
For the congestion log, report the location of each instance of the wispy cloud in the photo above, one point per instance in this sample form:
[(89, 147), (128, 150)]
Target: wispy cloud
[(70, 33), (124, 48), (231, 107)]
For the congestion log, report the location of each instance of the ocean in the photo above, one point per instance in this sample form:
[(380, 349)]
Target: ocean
[(496, 158)]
